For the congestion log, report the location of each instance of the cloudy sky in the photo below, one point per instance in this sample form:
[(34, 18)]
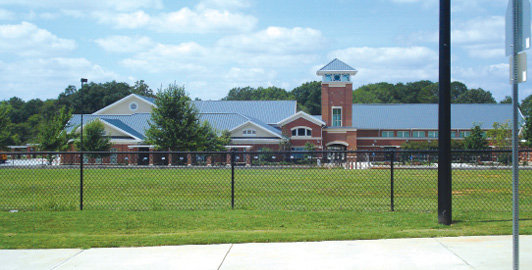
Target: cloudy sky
[(211, 46)]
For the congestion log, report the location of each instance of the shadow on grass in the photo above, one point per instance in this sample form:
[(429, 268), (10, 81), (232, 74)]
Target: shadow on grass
[(488, 221)]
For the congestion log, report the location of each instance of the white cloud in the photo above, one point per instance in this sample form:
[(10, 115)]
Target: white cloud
[(119, 5), (276, 40), (493, 78), (27, 40), (170, 58), (184, 20), (390, 64), (483, 29), (125, 44), (27, 79)]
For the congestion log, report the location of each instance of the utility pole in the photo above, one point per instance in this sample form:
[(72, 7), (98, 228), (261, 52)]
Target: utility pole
[(444, 118)]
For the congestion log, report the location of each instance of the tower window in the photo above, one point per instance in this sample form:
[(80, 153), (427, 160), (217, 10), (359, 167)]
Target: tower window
[(337, 117), (337, 78)]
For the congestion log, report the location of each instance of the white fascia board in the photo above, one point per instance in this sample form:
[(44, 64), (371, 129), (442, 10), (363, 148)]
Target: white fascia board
[(304, 115), (323, 72)]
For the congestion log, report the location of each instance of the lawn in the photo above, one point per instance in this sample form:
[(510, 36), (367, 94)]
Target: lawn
[(142, 189), (86, 229), (133, 206)]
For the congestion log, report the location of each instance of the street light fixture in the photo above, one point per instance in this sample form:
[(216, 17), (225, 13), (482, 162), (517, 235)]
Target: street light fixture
[(83, 80)]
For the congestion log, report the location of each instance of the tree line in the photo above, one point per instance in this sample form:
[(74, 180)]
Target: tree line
[(21, 121)]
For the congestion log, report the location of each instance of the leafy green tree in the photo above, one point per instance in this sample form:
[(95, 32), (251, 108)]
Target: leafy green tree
[(527, 132), (5, 125), (213, 140), (308, 97), (309, 147), (53, 135), (175, 123), (475, 96), (526, 106), (506, 100), (500, 135), (141, 88), (476, 140), (94, 139)]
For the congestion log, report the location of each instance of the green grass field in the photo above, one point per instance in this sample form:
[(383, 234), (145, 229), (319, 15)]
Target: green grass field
[(149, 207), (141, 189)]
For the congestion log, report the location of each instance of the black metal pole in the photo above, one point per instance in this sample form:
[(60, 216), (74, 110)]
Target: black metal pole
[(81, 153), (232, 178), (392, 160), (444, 121)]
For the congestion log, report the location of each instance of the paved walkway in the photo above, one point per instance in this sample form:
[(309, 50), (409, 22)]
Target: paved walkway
[(486, 252)]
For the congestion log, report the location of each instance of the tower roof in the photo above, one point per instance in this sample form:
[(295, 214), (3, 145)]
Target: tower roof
[(336, 66)]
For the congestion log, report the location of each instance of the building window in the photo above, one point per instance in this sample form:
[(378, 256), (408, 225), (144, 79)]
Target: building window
[(403, 134), (337, 117), (133, 106), (453, 134), (418, 134), (433, 134), (464, 134), (302, 132), (387, 134), (337, 77), (249, 132)]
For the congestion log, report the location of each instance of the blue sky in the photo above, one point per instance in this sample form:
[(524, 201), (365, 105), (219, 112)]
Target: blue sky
[(211, 46)]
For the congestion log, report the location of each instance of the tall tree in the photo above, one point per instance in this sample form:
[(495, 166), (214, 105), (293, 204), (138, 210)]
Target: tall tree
[(500, 135), (53, 135), (527, 131), (94, 138), (5, 125), (506, 100), (476, 140), (526, 106), (478, 95), (308, 97), (175, 123)]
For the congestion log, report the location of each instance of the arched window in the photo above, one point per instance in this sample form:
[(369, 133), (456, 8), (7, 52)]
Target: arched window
[(301, 132)]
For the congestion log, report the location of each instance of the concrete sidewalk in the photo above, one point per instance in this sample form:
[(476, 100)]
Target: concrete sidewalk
[(485, 252)]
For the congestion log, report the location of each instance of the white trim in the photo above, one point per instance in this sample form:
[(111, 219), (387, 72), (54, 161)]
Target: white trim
[(337, 142), (255, 141), (303, 115), (120, 101), (238, 146), (141, 146), (324, 72), (257, 126)]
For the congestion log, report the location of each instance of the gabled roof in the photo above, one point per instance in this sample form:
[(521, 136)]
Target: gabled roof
[(425, 116), (269, 112), (119, 102), (336, 66), (304, 115), (231, 121), (135, 124)]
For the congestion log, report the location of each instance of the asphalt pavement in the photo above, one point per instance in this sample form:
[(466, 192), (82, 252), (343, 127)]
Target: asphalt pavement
[(472, 252)]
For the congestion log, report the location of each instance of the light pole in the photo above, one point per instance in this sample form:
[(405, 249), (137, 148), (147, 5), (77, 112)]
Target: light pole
[(81, 154)]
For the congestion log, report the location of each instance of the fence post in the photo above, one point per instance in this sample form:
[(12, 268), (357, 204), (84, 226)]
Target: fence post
[(233, 178), (81, 181), (392, 161)]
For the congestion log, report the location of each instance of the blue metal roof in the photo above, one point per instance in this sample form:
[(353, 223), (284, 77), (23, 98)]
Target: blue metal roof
[(229, 121), (269, 112), (149, 99), (135, 124), (425, 116), (337, 65)]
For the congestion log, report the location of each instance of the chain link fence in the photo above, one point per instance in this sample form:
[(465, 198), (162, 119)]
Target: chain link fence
[(301, 181)]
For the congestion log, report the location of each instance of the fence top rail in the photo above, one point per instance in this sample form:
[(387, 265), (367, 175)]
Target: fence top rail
[(398, 151)]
